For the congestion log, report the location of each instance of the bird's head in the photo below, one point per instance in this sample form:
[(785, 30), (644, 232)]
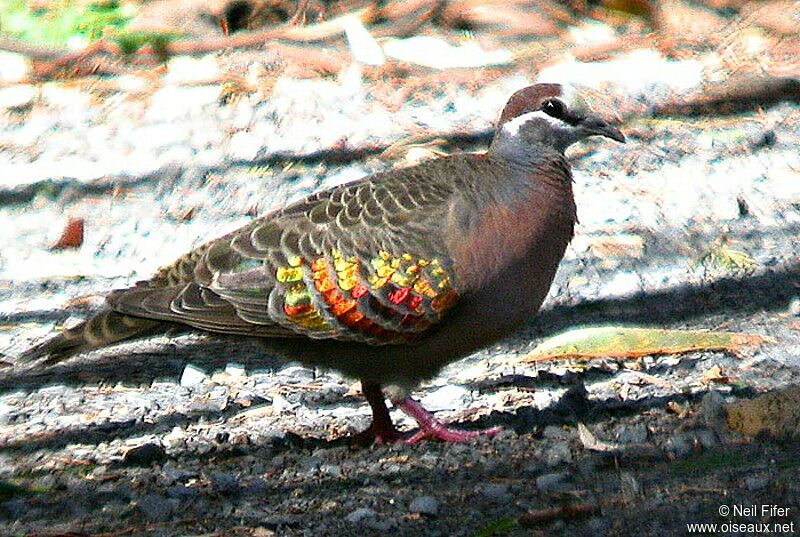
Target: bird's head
[(553, 115)]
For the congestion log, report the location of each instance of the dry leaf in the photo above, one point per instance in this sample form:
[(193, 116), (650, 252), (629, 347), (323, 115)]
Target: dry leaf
[(681, 410), (354, 390), (714, 374), (72, 236), (629, 342), (591, 442)]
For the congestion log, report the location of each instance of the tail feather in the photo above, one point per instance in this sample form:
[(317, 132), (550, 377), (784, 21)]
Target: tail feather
[(104, 328)]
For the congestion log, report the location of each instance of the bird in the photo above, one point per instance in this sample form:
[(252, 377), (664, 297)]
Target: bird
[(387, 278)]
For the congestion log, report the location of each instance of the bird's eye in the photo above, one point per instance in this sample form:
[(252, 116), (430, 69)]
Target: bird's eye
[(554, 108)]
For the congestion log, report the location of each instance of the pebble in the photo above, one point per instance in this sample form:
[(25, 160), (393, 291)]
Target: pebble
[(424, 505), (552, 482), (558, 454), (621, 284), (448, 397), (245, 146), (297, 373), (706, 438), (144, 455), (680, 444), (599, 526), (632, 434), (794, 307), (496, 491), (236, 370), (17, 97), (192, 376), (172, 103), (225, 483), (360, 514), (332, 470), (551, 431), (631, 489), (155, 507), (13, 67), (712, 411), (756, 482), (186, 70)]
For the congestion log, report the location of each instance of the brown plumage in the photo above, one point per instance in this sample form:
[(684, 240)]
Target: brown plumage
[(390, 277)]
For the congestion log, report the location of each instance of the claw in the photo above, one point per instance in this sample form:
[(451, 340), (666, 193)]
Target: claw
[(382, 431), (432, 429)]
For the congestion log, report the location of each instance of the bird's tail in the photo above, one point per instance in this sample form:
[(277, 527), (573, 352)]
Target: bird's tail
[(102, 329)]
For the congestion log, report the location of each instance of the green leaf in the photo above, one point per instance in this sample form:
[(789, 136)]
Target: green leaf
[(632, 342), (498, 527)]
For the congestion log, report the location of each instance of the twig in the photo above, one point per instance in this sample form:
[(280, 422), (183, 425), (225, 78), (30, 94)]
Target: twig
[(539, 517)]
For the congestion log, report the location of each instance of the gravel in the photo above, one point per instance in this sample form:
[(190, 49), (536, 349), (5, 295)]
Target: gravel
[(424, 505), (188, 434)]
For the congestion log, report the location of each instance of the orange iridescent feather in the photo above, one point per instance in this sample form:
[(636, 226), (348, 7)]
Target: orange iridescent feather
[(409, 283)]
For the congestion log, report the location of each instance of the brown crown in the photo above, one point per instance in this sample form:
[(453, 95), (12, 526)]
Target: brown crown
[(528, 99)]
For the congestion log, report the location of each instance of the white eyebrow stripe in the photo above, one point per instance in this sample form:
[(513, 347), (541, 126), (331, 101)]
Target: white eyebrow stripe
[(569, 96), (512, 127)]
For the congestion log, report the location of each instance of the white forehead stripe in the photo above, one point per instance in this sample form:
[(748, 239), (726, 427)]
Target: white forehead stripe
[(512, 127)]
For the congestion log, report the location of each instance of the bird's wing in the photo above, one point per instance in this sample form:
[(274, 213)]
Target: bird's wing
[(363, 262)]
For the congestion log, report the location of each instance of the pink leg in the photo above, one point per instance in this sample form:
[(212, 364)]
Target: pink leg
[(381, 430), (431, 428)]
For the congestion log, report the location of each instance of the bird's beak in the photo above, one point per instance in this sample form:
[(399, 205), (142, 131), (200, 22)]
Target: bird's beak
[(595, 126)]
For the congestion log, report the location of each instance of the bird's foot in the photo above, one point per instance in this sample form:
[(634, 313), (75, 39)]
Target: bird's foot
[(381, 430), (432, 429), (378, 434)]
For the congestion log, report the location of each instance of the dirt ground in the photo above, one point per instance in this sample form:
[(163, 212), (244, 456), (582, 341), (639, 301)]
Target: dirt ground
[(691, 224)]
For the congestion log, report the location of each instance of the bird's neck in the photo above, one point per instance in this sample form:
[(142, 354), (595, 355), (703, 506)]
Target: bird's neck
[(537, 168), (513, 213)]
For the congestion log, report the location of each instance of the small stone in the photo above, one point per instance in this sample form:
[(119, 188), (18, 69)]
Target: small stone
[(381, 526), (185, 70), (707, 438), (236, 370), (144, 455), (496, 491), (245, 145), (622, 284), (679, 444), (551, 482), (225, 483), (172, 102), (756, 482), (446, 398), (551, 431), (558, 454), (630, 487), (632, 434), (13, 67), (56, 95), (17, 97), (174, 440), (794, 307), (599, 526), (298, 373), (360, 514), (155, 507), (181, 492), (192, 376), (173, 473), (332, 470), (712, 411), (424, 505)]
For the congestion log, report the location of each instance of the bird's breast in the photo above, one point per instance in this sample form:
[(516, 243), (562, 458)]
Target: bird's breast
[(529, 234)]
